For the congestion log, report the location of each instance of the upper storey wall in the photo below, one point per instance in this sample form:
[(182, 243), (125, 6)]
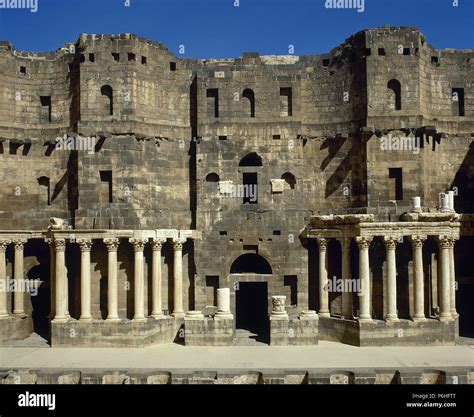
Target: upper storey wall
[(146, 85), (34, 92)]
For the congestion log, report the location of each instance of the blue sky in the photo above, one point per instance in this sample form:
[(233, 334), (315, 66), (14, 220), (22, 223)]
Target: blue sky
[(216, 28)]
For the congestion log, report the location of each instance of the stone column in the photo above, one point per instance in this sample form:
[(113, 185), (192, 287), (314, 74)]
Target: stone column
[(346, 276), (61, 281), (139, 287), (418, 278), (157, 310), (278, 306), (178, 277), (223, 304), (364, 275), (52, 279), (85, 245), (3, 279), (452, 273), (390, 247), (323, 278), (112, 280), (19, 275), (444, 243)]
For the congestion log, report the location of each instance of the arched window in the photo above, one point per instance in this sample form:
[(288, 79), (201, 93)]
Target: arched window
[(249, 95), (249, 166), (395, 92), (108, 92), (251, 160), (212, 177), (250, 263), (289, 179)]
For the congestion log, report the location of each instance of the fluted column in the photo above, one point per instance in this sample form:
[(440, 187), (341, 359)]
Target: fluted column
[(346, 276), (19, 275), (61, 281), (178, 276), (3, 279), (323, 278), (444, 243), (112, 281), (418, 277), (85, 245), (452, 273), (157, 310), (364, 275), (139, 287), (391, 247)]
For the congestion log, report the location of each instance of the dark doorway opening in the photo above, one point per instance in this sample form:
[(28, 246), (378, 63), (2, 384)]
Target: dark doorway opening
[(251, 308)]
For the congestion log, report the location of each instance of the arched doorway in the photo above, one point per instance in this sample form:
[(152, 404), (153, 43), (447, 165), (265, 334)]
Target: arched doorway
[(250, 274)]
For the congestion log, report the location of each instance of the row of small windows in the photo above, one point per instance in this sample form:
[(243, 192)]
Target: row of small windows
[(131, 57), (393, 86), (248, 96)]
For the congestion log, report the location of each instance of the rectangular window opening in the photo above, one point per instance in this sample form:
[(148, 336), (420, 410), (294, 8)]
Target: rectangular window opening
[(458, 101), (172, 66), (212, 102), (45, 108), (276, 137), (91, 58), (144, 61), (292, 282), (212, 284), (116, 56), (106, 187), (406, 51), (381, 51), (23, 70), (250, 187), (131, 57), (396, 184), (286, 102), (222, 137)]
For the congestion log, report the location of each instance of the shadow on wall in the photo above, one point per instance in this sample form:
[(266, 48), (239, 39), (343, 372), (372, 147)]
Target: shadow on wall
[(350, 164), (464, 182)]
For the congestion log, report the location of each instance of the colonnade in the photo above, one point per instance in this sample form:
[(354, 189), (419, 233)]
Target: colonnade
[(446, 277), (59, 281)]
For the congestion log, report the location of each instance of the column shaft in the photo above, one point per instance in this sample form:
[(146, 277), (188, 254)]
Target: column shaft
[(112, 280), (418, 277), (346, 276), (3, 279), (19, 275), (139, 288), (452, 273), (323, 278), (444, 291), (85, 245), (364, 276), (157, 310), (178, 277), (61, 281), (391, 246)]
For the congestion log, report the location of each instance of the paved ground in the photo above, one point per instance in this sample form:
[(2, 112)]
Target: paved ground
[(36, 354)]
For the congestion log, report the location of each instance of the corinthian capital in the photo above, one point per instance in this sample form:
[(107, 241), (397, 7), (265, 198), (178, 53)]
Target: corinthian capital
[(363, 242), (178, 243), (417, 241), (138, 244), (19, 244), (157, 244), (85, 244), (322, 243), (390, 242), (112, 243), (60, 245)]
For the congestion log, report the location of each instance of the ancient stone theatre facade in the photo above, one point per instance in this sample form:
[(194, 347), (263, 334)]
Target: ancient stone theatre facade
[(148, 198)]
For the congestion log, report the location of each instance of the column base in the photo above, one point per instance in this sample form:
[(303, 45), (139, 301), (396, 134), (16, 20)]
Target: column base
[(224, 315), (85, 319), (135, 319), (178, 314), (391, 319), (112, 319), (454, 314), (19, 313), (3, 315), (445, 317), (418, 319), (157, 316), (365, 319), (279, 316), (60, 319), (323, 313)]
